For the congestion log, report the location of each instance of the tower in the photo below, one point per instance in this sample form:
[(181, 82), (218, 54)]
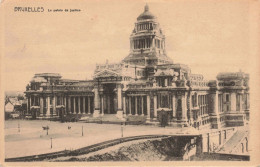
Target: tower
[(147, 42)]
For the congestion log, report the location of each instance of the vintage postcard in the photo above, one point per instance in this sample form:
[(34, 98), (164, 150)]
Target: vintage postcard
[(118, 82)]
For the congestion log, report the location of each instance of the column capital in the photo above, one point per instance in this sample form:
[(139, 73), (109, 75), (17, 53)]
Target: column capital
[(96, 86), (119, 85)]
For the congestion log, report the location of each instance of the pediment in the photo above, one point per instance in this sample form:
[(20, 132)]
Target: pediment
[(106, 73)]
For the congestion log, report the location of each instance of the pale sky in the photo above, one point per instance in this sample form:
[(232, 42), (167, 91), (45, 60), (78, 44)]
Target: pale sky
[(209, 36)]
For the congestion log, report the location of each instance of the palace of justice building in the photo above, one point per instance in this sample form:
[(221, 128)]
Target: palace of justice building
[(143, 84)]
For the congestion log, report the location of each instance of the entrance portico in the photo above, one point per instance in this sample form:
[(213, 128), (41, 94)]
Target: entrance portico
[(108, 93)]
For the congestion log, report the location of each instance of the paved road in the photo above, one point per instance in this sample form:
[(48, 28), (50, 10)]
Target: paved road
[(33, 140)]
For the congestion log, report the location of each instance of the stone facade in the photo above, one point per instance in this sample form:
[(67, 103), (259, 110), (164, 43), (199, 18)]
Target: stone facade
[(143, 84)]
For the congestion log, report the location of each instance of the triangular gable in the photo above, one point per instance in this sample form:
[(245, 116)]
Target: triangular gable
[(106, 73), (9, 107)]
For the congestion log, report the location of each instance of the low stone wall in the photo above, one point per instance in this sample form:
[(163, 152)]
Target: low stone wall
[(213, 140)]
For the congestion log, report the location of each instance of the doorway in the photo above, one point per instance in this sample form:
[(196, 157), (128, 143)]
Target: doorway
[(110, 98)]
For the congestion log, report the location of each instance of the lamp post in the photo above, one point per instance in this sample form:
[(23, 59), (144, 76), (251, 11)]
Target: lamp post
[(19, 127), (122, 132), (47, 129), (51, 142)]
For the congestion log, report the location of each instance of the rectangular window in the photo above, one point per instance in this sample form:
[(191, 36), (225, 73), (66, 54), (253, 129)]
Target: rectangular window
[(164, 102), (227, 97)]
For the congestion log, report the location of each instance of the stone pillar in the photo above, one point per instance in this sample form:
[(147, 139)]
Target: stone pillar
[(214, 97), (155, 107), (233, 102), (30, 102), (136, 112), (124, 105), (74, 105), (153, 43), (119, 113), (142, 105), (65, 104), (41, 106), (190, 107), (214, 110), (96, 102), (84, 105), (28, 105), (79, 109), (241, 102), (108, 106), (89, 105), (119, 97), (102, 105), (69, 104), (62, 100), (48, 112), (148, 107), (174, 107), (130, 105), (54, 104), (184, 107), (247, 101)]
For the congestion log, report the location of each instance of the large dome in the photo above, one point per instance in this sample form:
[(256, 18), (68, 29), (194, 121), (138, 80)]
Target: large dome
[(146, 14)]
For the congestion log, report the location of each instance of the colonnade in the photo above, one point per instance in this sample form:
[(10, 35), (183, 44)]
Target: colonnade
[(71, 104)]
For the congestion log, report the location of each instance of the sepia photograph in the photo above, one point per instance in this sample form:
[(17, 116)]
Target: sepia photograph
[(129, 81)]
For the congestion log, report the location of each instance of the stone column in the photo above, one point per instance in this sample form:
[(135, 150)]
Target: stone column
[(174, 106), (41, 105), (148, 107), (69, 104), (74, 105), (119, 113), (54, 104), (84, 105), (119, 97), (96, 102), (102, 105), (136, 112), (190, 107), (233, 102), (28, 105), (89, 105), (153, 42), (108, 104), (30, 102), (241, 102), (62, 100), (184, 107), (159, 101), (155, 107), (124, 105), (65, 104), (48, 112), (142, 105), (79, 109), (166, 81), (247, 101), (130, 105), (214, 110)]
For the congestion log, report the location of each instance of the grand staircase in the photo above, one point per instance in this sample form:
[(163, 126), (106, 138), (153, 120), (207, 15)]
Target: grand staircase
[(112, 118)]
